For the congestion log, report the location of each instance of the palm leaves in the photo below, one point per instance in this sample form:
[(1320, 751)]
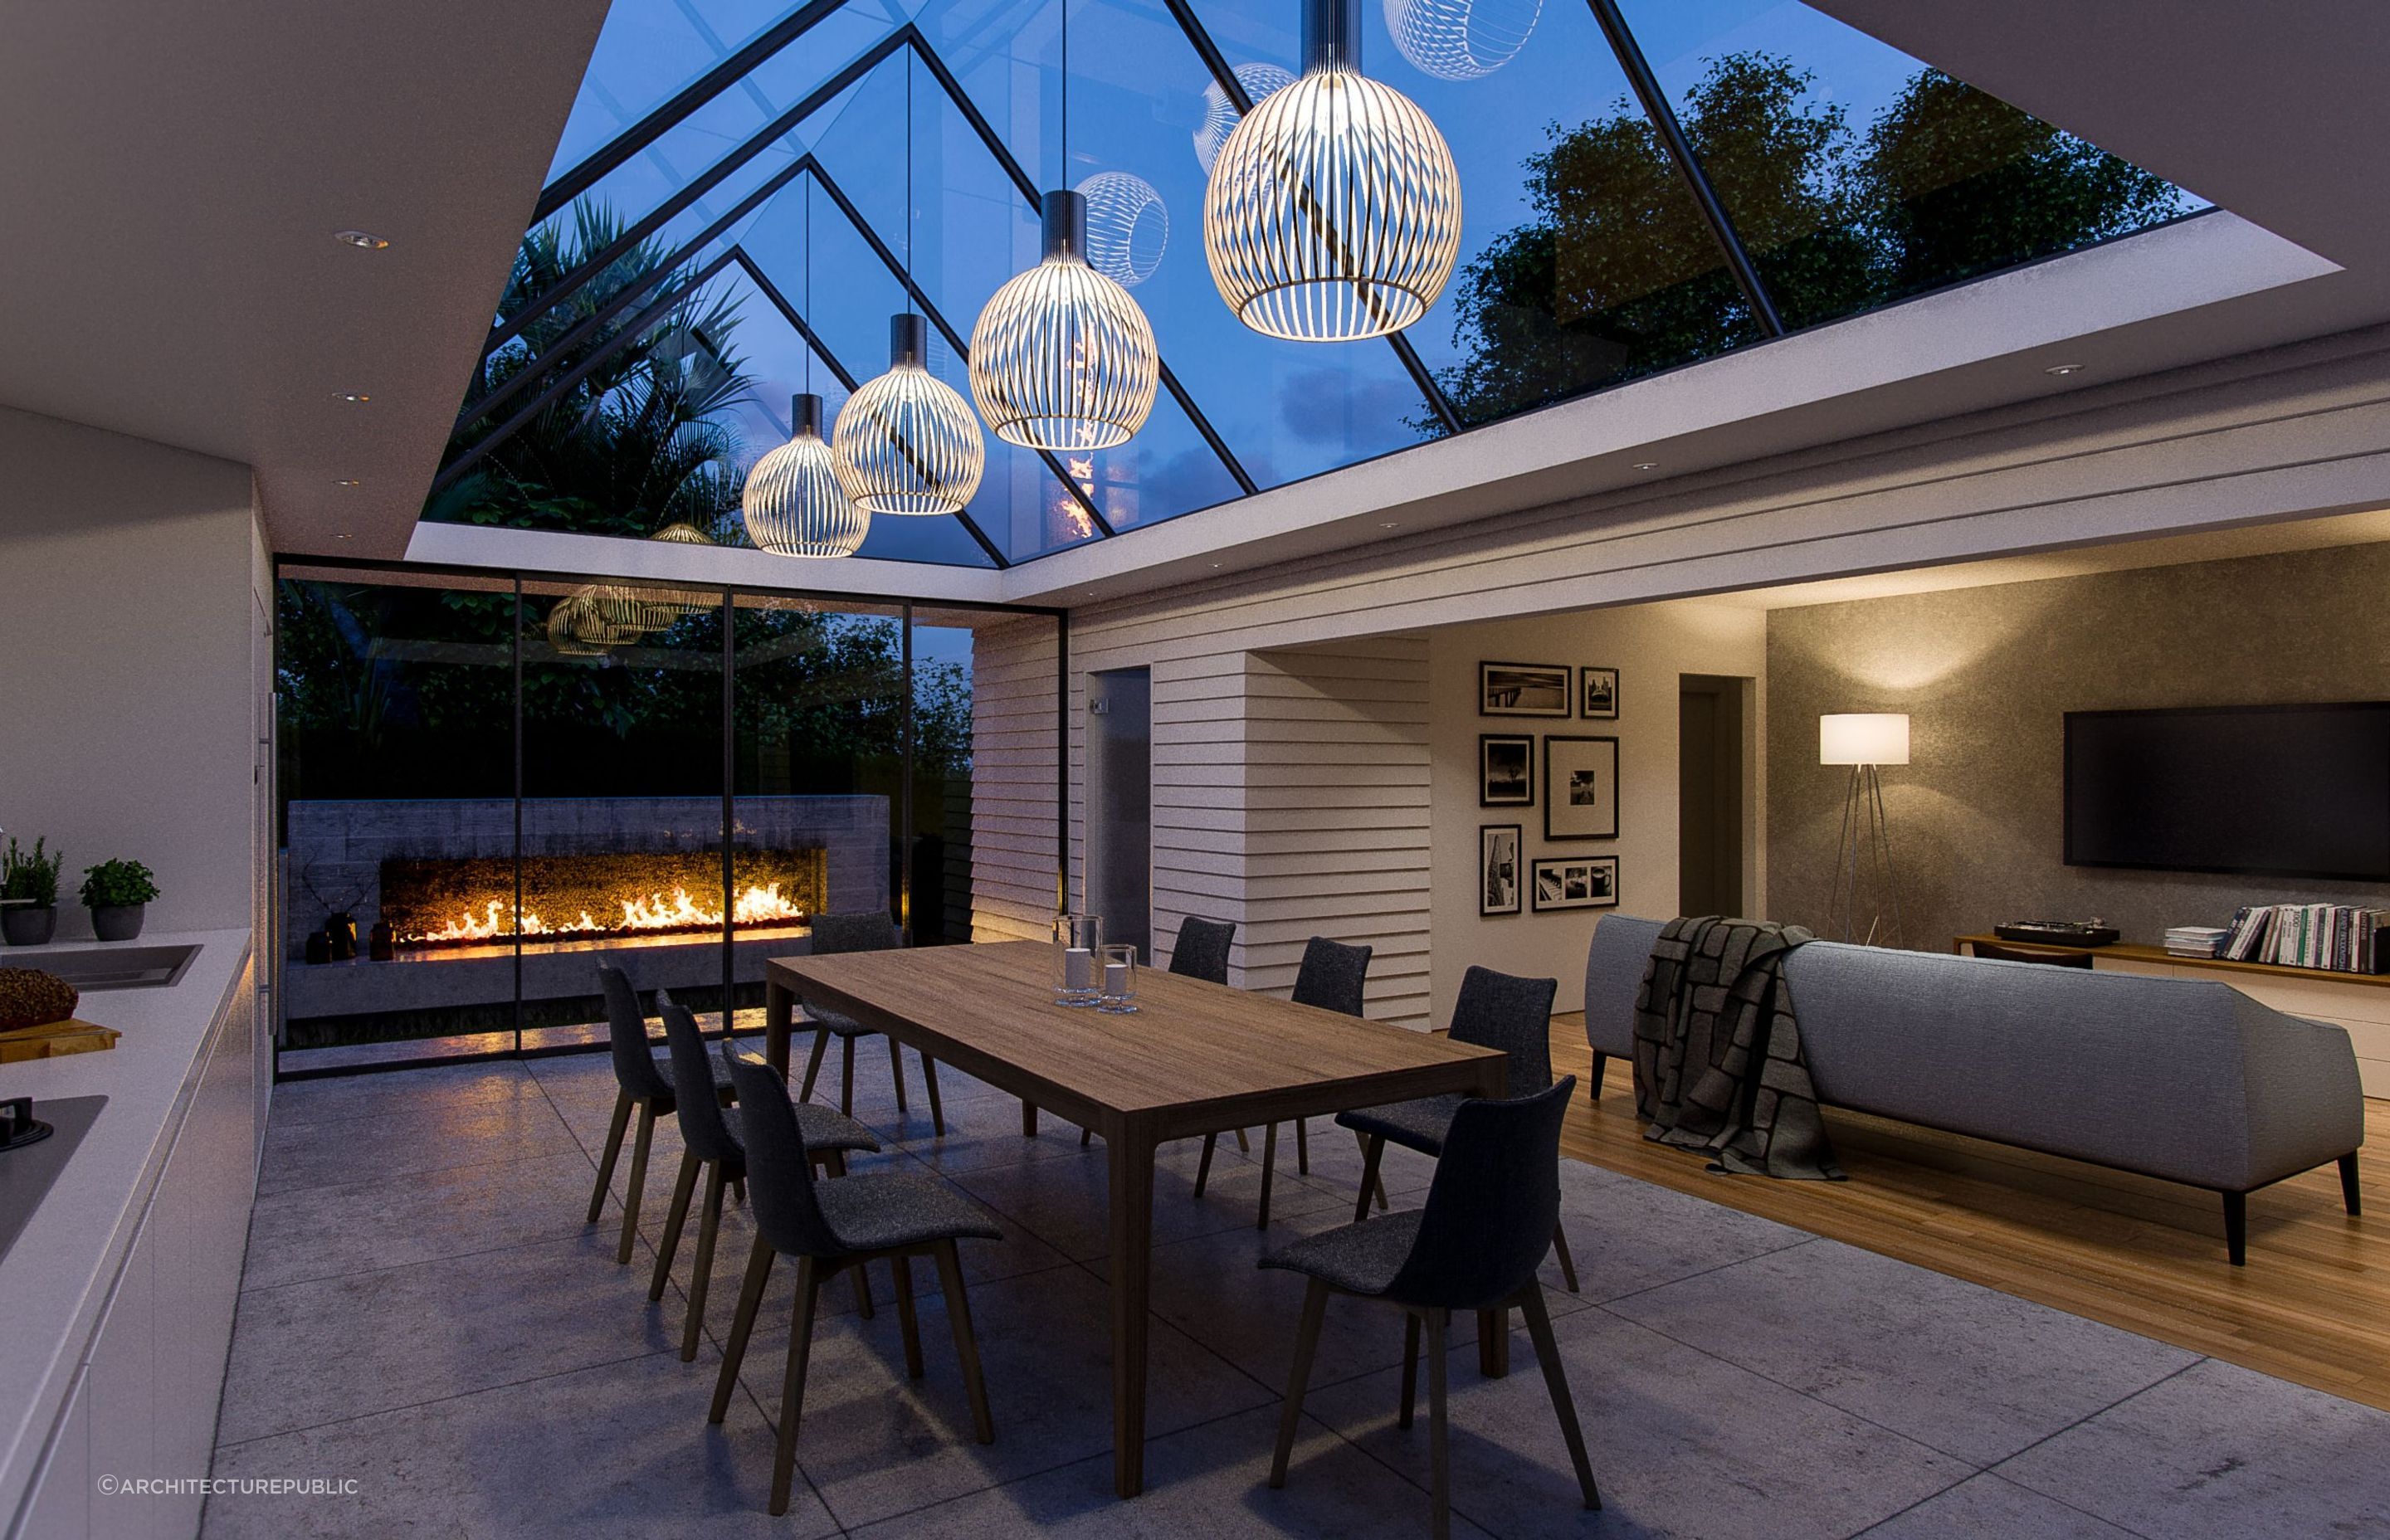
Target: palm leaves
[(632, 446)]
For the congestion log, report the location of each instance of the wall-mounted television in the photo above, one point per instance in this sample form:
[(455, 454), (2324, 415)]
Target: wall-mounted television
[(2253, 791)]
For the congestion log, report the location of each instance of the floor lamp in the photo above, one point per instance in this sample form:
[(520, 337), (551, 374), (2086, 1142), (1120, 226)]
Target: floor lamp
[(1863, 871)]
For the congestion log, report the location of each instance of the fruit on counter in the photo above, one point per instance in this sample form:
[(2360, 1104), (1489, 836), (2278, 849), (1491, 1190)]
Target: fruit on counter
[(30, 998)]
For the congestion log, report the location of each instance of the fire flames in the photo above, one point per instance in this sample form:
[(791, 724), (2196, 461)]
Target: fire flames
[(763, 906)]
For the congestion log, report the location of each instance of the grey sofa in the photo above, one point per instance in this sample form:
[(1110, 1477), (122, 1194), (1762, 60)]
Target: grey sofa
[(2187, 1079)]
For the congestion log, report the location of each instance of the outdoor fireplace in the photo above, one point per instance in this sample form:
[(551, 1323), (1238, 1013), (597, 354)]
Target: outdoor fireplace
[(440, 903)]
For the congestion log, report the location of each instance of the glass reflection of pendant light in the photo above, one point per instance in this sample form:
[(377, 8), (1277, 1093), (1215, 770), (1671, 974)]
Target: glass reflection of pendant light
[(1334, 212), (1460, 39), (1062, 357), (909, 443), (794, 503)]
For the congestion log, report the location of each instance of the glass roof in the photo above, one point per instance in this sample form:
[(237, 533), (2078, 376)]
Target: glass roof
[(1645, 183)]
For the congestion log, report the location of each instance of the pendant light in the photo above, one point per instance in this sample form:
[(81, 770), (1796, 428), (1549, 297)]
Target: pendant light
[(1334, 212), (909, 443), (1061, 358), (795, 503)]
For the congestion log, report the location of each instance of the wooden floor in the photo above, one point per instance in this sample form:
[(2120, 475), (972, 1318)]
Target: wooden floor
[(2313, 1305)]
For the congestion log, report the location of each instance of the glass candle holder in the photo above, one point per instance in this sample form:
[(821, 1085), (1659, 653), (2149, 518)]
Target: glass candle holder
[(1077, 940), (1116, 994)]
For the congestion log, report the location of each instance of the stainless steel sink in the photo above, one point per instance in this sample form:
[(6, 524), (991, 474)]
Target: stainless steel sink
[(100, 967)]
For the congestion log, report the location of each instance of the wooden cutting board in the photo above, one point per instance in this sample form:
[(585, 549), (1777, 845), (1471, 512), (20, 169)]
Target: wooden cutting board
[(55, 1039)]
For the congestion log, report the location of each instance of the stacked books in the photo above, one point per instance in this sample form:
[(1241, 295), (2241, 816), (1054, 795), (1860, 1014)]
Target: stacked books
[(2196, 941), (2341, 938)]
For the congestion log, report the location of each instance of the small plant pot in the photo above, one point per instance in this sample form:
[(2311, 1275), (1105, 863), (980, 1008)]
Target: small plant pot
[(24, 925), (117, 922)]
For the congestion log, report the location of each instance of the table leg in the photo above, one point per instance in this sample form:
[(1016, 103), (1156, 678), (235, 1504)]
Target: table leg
[(1131, 1264), (779, 1014)]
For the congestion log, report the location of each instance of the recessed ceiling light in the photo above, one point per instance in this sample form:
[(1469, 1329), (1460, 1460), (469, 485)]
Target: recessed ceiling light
[(363, 240), (340, 537), (354, 397), (347, 482), (1646, 465), (1390, 524), (1218, 564), (2063, 369)]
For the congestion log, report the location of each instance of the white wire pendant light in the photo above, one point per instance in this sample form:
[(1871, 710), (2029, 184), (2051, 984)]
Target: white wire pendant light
[(1061, 358), (908, 443), (794, 503), (1334, 212)]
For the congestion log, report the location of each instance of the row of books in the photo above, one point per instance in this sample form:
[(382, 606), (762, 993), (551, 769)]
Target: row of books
[(2339, 937)]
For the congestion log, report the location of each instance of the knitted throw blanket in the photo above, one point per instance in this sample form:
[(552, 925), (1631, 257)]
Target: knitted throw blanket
[(1718, 1066)]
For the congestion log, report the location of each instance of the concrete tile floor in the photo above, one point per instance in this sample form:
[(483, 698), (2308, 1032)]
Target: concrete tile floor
[(424, 1311)]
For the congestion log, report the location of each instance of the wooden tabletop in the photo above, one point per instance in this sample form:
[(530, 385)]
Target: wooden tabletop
[(1194, 1056), (2129, 952)]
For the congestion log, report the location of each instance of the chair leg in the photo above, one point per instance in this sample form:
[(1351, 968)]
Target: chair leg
[(1303, 1147), (1028, 1119), (614, 1151), (1269, 1170), (1086, 1137), (847, 1086), (1439, 1450), (937, 1111), (814, 1064), (638, 1182), (742, 1325), (1203, 1166), (675, 1220), (905, 1316), (2236, 1227), (896, 1068), (863, 1294), (1568, 1263), (1244, 1146), (792, 1386), (950, 1278), (1593, 1081), (709, 1230), (1374, 1149), (1548, 1353), (1411, 1369), (2349, 1183), (1306, 1341)]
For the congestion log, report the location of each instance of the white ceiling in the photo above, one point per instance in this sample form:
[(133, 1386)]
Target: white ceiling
[(172, 179)]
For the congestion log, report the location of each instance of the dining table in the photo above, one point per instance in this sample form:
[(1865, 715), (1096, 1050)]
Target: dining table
[(1194, 1057)]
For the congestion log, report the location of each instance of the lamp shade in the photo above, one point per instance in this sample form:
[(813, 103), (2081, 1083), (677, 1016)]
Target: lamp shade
[(1062, 357), (794, 503), (907, 442), (1863, 738)]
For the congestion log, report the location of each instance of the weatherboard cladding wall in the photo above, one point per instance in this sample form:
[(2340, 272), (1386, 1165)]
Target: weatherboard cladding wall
[(1013, 766)]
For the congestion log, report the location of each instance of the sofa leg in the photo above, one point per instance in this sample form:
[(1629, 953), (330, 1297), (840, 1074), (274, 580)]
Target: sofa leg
[(2236, 1227), (1593, 1081), (2349, 1183)]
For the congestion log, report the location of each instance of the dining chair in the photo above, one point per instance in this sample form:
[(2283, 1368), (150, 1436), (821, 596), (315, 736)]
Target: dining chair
[(1333, 977), (861, 930), (1476, 1245), (711, 1146), (829, 1227), (1200, 952), (643, 1084), (1494, 1010)]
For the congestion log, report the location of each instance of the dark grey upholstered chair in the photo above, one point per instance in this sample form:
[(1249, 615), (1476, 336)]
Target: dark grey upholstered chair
[(2030, 955), (1475, 1246), (830, 1226), (863, 931), (710, 1145), (1200, 952), (1496, 1010), (643, 1082), (1332, 977)]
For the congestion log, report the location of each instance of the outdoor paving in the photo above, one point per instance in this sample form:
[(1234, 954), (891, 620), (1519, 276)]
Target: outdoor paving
[(424, 1312)]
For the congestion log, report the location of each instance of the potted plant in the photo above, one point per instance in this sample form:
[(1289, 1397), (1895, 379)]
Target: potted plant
[(29, 893), (115, 892)]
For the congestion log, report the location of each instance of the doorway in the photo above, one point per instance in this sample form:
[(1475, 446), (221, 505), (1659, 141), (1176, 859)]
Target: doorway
[(1119, 804), (1711, 761)]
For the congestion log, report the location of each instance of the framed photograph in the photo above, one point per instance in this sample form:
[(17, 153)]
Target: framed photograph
[(1575, 882), (1506, 771), (1581, 786), (1497, 869), (1597, 694), (1522, 690)]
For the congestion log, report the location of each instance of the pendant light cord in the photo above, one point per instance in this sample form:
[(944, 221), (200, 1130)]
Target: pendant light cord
[(1066, 95), (909, 178), (809, 283)]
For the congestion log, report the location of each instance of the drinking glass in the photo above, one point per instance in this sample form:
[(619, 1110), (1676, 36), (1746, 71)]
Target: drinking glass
[(1117, 994), (1077, 940)]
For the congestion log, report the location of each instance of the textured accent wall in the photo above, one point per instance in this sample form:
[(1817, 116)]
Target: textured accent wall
[(1986, 675), (1014, 754)]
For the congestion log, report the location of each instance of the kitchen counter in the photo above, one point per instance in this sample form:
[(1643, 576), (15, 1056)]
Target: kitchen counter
[(57, 1278)]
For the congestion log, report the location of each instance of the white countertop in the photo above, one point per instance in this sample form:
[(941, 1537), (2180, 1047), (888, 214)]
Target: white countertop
[(53, 1275)]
